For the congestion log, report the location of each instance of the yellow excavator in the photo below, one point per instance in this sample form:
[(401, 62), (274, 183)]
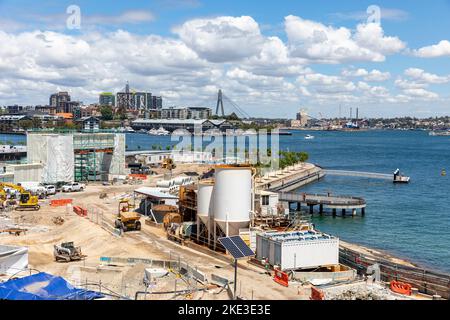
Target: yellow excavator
[(127, 220), (27, 201)]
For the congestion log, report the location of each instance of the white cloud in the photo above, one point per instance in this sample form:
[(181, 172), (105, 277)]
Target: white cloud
[(386, 14), (441, 49), (421, 76), (126, 17), (231, 53), (372, 76), (316, 41), (222, 39), (417, 83), (421, 93)]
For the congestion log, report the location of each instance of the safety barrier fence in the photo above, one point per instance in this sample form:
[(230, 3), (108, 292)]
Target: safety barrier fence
[(426, 281), (60, 202), (138, 176)]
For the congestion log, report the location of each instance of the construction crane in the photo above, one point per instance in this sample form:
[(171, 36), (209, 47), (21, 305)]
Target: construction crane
[(26, 201)]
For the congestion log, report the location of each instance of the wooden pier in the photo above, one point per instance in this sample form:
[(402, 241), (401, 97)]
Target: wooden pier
[(343, 204)]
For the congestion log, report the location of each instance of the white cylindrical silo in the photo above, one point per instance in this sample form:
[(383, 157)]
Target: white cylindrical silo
[(232, 198), (204, 201)]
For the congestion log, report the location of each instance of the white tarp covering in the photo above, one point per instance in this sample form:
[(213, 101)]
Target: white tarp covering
[(13, 259), (55, 152), (28, 172)]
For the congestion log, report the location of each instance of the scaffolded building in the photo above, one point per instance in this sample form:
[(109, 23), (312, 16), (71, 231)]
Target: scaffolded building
[(78, 157)]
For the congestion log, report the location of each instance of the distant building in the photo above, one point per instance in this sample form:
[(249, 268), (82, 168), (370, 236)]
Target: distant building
[(186, 124), (186, 113), (135, 101), (61, 101), (85, 111), (107, 99), (200, 113), (46, 109), (142, 101), (68, 107), (14, 109), (301, 120), (89, 123), (296, 124), (57, 99), (156, 103)]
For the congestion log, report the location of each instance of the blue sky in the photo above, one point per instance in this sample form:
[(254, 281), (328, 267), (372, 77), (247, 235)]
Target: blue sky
[(270, 57)]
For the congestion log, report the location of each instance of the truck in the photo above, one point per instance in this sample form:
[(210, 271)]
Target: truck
[(73, 187)]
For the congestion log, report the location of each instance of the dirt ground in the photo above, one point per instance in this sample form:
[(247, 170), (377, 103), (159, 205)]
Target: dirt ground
[(149, 243)]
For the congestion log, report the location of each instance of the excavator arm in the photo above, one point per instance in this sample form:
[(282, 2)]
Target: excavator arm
[(27, 201)]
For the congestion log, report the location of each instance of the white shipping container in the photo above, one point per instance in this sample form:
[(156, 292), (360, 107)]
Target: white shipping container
[(298, 250)]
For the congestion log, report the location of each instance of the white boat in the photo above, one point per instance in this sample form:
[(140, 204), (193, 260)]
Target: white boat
[(399, 178), (309, 137), (250, 132), (180, 133), (153, 132)]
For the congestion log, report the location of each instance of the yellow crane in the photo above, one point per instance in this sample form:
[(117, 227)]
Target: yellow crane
[(26, 200)]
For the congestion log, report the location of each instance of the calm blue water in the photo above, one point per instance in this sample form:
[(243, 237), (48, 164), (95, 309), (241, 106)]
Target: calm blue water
[(410, 221)]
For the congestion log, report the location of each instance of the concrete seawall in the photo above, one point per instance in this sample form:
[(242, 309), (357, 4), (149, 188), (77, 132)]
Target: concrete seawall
[(290, 178)]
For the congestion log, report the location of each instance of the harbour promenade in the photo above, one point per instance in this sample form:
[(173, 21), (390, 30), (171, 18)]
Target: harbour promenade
[(285, 181), (290, 178)]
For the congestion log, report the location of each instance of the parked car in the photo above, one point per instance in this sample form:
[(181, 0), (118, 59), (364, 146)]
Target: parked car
[(51, 190), (35, 188), (73, 187)]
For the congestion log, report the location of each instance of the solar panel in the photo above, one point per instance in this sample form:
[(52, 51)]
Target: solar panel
[(242, 246), (231, 248), (236, 247)]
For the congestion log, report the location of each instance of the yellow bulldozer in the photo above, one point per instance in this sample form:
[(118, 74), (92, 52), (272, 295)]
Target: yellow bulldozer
[(127, 220), (27, 201)]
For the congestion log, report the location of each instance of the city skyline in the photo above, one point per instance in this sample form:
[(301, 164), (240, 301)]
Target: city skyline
[(303, 55)]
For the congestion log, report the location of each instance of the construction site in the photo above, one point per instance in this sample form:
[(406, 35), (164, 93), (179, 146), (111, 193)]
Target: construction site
[(186, 232)]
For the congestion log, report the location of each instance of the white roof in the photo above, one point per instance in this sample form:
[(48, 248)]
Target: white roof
[(170, 121)]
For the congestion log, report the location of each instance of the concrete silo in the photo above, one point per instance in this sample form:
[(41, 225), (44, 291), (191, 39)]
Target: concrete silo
[(205, 214), (232, 198)]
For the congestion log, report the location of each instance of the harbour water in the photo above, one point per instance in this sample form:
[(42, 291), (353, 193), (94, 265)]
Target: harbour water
[(410, 221)]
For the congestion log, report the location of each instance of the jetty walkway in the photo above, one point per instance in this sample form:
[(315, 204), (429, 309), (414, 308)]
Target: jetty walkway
[(328, 201)]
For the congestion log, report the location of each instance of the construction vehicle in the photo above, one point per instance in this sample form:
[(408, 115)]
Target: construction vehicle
[(67, 252), (127, 220), (168, 164), (26, 199)]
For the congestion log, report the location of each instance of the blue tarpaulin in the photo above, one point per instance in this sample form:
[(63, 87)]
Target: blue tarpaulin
[(44, 286)]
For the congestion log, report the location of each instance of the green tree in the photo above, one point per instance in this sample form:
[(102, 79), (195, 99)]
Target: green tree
[(107, 113)]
